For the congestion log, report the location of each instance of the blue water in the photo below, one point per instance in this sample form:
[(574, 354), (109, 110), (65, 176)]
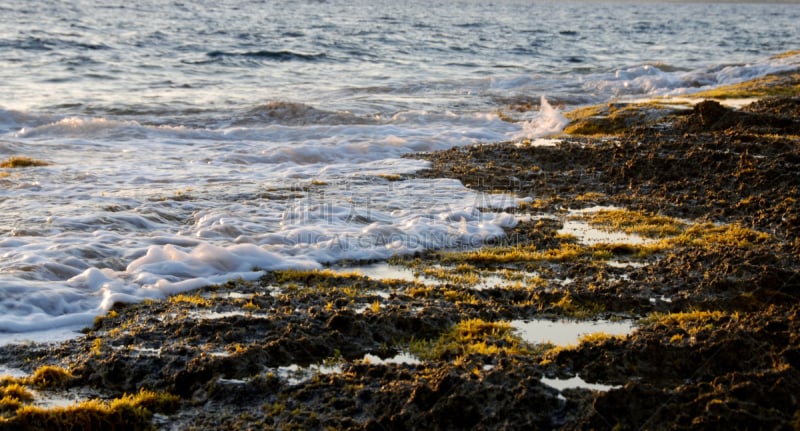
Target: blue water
[(193, 142), (370, 57)]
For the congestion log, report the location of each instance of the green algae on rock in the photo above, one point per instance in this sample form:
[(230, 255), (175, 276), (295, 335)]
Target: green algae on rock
[(19, 409), (129, 412), (786, 84), (615, 118)]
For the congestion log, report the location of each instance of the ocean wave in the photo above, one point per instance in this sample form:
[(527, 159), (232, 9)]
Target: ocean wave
[(35, 43), (296, 114), (657, 79), (13, 120), (104, 130), (9, 147), (236, 57), (75, 127), (278, 133)]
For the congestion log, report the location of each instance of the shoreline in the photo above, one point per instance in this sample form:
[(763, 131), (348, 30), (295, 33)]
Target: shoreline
[(713, 295)]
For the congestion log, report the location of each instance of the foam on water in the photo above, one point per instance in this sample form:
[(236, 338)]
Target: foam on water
[(123, 236), (653, 80), (549, 122)]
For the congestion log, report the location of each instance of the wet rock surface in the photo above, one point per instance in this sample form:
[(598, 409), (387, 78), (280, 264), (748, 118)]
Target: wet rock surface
[(717, 343), (733, 370), (713, 162)]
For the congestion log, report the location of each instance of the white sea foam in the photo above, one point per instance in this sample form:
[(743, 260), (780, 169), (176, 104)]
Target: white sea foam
[(549, 122), (652, 80), (117, 242)]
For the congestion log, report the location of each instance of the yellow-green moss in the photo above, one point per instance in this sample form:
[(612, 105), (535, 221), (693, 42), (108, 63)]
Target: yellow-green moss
[(130, 412), (537, 205), (614, 118), (605, 251), (251, 306), (8, 406), (97, 346), (568, 306), (375, 307), (16, 391), (566, 251), (636, 222), (472, 336), (673, 233), (456, 276), (780, 84), (196, 300), (324, 277), (49, 376), (460, 296), (595, 338), (709, 234), (690, 322), (21, 162), (786, 54), (589, 197)]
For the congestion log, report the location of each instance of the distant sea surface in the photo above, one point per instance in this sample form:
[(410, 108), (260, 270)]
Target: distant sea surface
[(194, 142)]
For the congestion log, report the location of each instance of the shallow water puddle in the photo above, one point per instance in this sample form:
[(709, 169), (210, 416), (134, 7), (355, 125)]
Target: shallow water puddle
[(53, 399), (295, 374), (55, 335), (216, 315), (400, 358), (232, 381), (661, 298), (564, 332), (625, 264), (539, 142), (576, 225), (234, 295), (381, 271), (576, 383), (386, 271), (147, 351), (588, 235)]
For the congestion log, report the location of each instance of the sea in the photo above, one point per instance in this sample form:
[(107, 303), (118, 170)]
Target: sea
[(193, 142)]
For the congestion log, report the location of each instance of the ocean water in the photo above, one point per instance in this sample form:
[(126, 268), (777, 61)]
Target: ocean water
[(194, 142)]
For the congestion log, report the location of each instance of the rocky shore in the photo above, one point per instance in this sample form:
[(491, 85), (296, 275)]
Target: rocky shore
[(706, 199)]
